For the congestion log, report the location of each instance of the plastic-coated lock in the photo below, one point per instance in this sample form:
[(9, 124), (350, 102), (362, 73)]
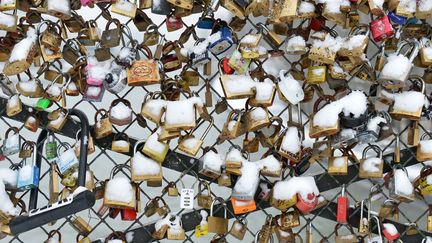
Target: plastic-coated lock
[(128, 214), (342, 207), (400, 20)]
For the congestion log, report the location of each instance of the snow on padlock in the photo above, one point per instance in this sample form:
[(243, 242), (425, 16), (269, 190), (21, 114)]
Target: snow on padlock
[(120, 192), (390, 232), (400, 186), (28, 175), (211, 163), (181, 114), (154, 148), (59, 8), (224, 42), (66, 161), (153, 106), (11, 143), (144, 168), (398, 66), (247, 184), (120, 112), (289, 89)]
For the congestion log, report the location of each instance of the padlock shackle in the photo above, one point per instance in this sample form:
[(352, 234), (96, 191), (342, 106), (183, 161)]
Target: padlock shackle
[(222, 203)]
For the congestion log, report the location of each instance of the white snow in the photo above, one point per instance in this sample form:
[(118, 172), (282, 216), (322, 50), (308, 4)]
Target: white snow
[(54, 90), (12, 140), (306, 7), (339, 162), (153, 142), (427, 51), (354, 42), (143, 165), (269, 163), (290, 88), (7, 20), (120, 111), (374, 123), (6, 205), (295, 43), (130, 236), (249, 39), (93, 91), (371, 165), (424, 5), (119, 189), (62, 6), (72, 86), (333, 44), (125, 5), (328, 115), (284, 190), (13, 101), (402, 183), (234, 155), (28, 86), (155, 107), (191, 142), (182, 111), (258, 114), (22, 48), (57, 121), (212, 161), (291, 141), (426, 146), (8, 176), (25, 173), (264, 90), (379, 3), (249, 179), (397, 66), (410, 101), (391, 229), (239, 84), (120, 143), (408, 5)]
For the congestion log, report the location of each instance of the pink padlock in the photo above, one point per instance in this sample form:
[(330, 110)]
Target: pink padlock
[(305, 205), (90, 79), (86, 3)]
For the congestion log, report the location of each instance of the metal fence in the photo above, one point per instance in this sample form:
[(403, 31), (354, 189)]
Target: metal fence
[(181, 168)]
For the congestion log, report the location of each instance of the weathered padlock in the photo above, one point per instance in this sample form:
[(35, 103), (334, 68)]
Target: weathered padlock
[(103, 126), (143, 72), (350, 238), (337, 165), (28, 175), (125, 8), (239, 229), (290, 219), (204, 200), (144, 168), (11, 143), (381, 28), (111, 37), (218, 225)]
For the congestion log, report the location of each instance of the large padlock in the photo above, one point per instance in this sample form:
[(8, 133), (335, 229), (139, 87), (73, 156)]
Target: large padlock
[(404, 192), (128, 191), (66, 161), (125, 8), (144, 168), (120, 112), (371, 167), (381, 28), (218, 225), (204, 200), (155, 149), (143, 72)]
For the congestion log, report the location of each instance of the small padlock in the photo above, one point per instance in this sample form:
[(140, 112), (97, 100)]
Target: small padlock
[(342, 207), (218, 225), (204, 200), (239, 229)]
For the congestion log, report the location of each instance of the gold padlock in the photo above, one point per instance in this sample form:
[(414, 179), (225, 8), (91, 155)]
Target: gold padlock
[(191, 145), (239, 229), (103, 127), (218, 225), (144, 168), (125, 8), (337, 165), (80, 225), (204, 201)]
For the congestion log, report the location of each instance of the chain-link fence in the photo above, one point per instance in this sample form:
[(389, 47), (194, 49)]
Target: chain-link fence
[(181, 169)]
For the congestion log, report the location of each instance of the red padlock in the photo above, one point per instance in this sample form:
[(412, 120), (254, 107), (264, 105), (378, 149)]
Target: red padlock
[(317, 23), (342, 207), (308, 204), (128, 214), (390, 232), (381, 28), (226, 68), (173, 23)]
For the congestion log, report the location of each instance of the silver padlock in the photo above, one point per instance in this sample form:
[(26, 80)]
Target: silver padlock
[(67, 161)]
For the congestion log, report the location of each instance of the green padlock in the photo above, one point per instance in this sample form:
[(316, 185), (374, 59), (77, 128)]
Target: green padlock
[(43, 104), (51, 147)]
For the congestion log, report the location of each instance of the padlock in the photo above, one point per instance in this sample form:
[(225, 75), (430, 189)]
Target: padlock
[(265, 234), (414, 113), (175, 121), (128, 199), (125, 8), (103, 126), (164, 209), (247, 90), (66, 161), (144, 168), (120, 112), (176, 231), (388, 77), (337, 165), (155, 149), (316, 74), (111, 37), (364, 222), (234, 126), (80, 225), (51, 236), (63, 12), (28, 175), (128, 214), (360, 33), (171, 189), (218, 225), (121, 143), (421, 184), (350, 238), (151, 206), (371, 167), (236, 62), (317, 131), (390, 232), (57, 119), (282, 203), (422, 153), (225, 41), (272, 36), (290, 219), (204, 201), (151, 36), (153, 106), (116, 236), (173, 23), (292, 137), (143, 72), (13, 67), (306, 205), (13, 106), (234, 8), (381, 28), (239, 229), (342, 207), (11, 143)]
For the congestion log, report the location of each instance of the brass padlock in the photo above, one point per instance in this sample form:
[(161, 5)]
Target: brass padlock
[(151, 206), (57, 119), (171, 189), (151, 35), (264, 235), (239, 229), (218, 225), (81, 225), (103, 125), (164, 209), (290, 219), (111, 37), (125, 8), (204, 200)]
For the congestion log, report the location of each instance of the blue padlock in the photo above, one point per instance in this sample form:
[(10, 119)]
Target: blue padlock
[(223, 43), (206, 22), (28, 175), (400, 20)]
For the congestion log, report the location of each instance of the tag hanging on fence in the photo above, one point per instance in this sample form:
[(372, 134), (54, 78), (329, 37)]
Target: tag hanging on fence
[(187, 198)]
